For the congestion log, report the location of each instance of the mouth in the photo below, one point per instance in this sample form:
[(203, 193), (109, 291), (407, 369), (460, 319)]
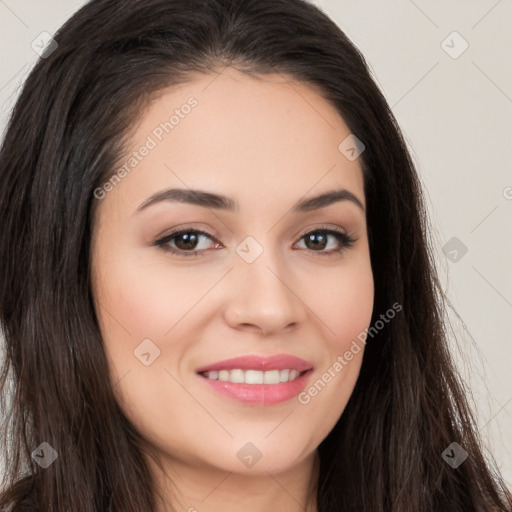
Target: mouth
[(258, 380)]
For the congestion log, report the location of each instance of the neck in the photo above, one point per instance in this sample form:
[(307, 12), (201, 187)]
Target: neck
[(189, 488)]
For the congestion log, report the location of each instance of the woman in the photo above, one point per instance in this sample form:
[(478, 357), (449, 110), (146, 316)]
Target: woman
[(217, 289)]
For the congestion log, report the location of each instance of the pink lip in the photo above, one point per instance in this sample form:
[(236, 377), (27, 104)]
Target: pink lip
[(276, 362), (260, 394)]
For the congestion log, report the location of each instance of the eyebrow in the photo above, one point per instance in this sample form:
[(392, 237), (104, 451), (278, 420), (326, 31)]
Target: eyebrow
[(221, 202)]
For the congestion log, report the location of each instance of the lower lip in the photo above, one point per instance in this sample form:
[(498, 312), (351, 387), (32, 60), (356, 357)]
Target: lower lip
[(259, 394)]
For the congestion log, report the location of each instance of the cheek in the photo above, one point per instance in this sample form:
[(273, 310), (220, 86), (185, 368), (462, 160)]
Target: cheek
[(148, 299), (344, 303), (349, 309), (342, 300)]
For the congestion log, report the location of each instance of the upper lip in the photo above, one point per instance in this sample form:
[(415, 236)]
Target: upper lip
[(262, 363)]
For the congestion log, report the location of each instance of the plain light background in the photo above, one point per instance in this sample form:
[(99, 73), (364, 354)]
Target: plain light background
[(454, 105)]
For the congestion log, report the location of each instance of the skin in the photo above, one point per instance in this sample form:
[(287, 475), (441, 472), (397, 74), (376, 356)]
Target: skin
[(265, 143)]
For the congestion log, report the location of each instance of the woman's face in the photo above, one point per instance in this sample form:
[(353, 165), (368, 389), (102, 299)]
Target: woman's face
[(265, 279)]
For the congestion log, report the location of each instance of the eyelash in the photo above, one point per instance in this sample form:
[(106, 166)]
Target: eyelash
[(346, 240)]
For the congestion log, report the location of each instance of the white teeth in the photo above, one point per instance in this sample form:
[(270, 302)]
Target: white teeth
[(224, 375), (238, 376), (253, 377), (271, 377), (293, 374)]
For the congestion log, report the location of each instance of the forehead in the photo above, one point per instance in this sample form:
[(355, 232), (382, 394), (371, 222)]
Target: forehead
[(242, 136)]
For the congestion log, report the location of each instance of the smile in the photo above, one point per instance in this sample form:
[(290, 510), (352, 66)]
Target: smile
[(256, 379)]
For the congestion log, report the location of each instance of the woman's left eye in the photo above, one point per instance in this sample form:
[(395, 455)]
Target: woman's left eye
[(185, 242)]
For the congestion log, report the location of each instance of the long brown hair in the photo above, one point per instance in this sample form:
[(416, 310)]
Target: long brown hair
[(64, 137)]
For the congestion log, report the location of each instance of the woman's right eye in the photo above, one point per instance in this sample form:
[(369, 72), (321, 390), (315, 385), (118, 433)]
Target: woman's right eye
[(185, 242)]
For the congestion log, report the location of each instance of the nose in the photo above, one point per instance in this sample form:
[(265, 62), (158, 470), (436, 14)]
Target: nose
[(265, 297)]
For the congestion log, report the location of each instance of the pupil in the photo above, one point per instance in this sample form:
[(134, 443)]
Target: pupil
[(311, 238), (190, 241)]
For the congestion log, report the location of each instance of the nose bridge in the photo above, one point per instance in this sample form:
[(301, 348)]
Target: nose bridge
[(264, 295)]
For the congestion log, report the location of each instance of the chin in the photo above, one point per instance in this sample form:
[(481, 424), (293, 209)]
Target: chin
[(263, 456)]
